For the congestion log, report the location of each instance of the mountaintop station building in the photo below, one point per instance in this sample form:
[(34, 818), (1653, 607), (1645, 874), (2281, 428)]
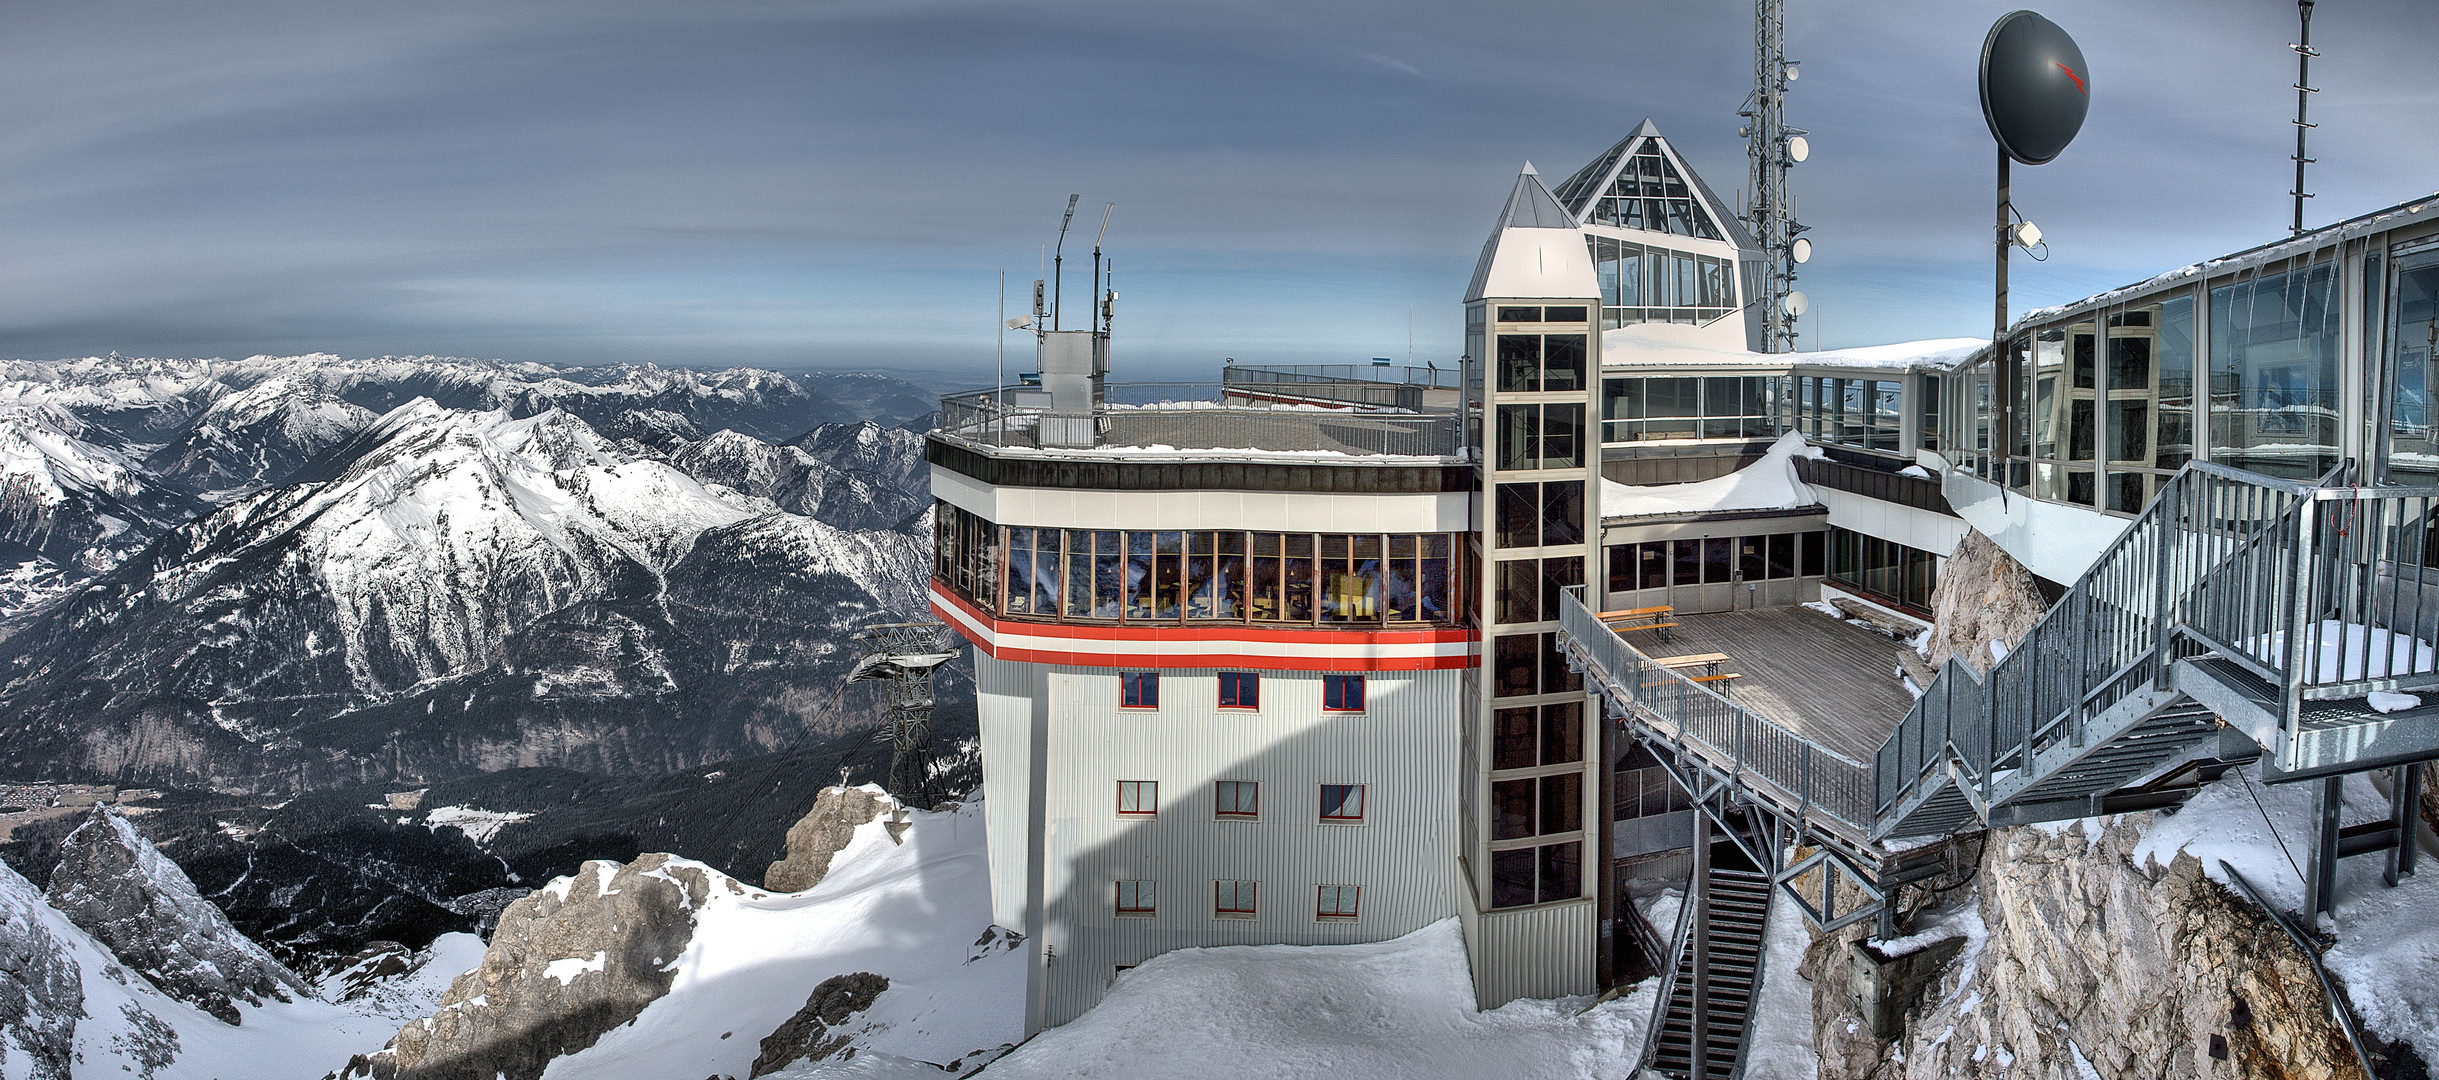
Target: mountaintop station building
[(1324, 654)]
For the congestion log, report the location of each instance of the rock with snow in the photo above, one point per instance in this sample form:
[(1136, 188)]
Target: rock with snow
[(852, 476), (806, 1036), (42, 993), (569, 962), (1985, 603), (722, 966), (118, 887), (822, 833)]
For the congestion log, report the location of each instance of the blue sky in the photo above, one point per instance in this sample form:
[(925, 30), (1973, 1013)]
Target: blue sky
[(837, 185)]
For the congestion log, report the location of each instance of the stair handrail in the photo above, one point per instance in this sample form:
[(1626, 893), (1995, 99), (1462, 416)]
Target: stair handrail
[(1899, 774), (1668, 976)]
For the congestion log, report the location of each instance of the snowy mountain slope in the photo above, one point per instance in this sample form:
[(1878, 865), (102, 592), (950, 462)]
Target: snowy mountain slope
[(69, 508), (913, 911), (257, 437), (118, 887), (69, 1008), (449, 592)]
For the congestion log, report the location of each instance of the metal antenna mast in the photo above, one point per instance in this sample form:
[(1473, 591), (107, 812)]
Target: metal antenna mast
[(901, 657), (2303, 94), (1772, 147)]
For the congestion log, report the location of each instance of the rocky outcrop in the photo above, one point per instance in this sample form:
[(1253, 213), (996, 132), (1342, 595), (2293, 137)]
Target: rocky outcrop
[(2080, 963), (568, 963), (118, 887), (806, 1036), (822, 833), (1984, 595), (41, 991)]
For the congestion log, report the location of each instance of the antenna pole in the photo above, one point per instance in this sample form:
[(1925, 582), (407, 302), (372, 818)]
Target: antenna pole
[(1058, 292), (1998, 318), (2303, 95), (1096, 258)]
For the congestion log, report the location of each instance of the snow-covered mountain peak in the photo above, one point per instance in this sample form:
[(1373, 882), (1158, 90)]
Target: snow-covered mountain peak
[(44, 456)]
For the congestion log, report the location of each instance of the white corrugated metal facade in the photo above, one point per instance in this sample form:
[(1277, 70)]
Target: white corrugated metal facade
[(1403, 748)]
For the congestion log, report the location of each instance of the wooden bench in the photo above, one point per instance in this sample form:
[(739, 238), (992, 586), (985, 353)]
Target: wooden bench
[(1709, 662), (1720, 682), (1660, 618)]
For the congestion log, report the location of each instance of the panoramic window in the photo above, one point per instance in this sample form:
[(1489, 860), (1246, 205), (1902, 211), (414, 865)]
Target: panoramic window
[(1138, 689), (1643, 408), (1536, 875), (2274, 387)]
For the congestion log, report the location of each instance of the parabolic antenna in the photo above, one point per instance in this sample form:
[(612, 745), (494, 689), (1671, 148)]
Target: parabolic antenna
[(1800, 250), (1798, 149), (1796, 304), (2035, 88)]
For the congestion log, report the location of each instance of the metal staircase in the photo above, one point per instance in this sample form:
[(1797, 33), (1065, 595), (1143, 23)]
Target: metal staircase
[(2238, 616), (1710, 1001)]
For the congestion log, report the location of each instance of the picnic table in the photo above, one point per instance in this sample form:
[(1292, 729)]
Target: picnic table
[(1660, 618)]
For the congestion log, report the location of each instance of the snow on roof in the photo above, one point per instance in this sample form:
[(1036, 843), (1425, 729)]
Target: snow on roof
[(1682, 345), (2327, 237), (1768, 484), (1535, 251)]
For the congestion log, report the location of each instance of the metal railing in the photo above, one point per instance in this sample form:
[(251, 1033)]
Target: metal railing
[(2322, 591), (1443, 378), (1810, 783), (1192, 416)]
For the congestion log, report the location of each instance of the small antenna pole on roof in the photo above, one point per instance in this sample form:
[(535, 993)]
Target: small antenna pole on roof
[(1058, 256), (1096, 262), (2303, 95)]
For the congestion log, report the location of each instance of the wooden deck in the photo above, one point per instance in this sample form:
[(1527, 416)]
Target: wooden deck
[(1829, 681)]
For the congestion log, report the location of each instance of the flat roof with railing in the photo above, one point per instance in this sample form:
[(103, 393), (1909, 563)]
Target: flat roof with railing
[(1271, 420)]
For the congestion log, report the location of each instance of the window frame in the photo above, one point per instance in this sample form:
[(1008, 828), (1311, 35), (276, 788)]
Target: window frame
[(1132, 687), (1218, 804), (1334, 683), (1247, 690), (1357, 818), (1143, 885), (1238, 890), (1139, 789), (1348, 906)]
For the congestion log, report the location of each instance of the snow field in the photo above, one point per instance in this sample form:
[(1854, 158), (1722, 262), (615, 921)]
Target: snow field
[(1394, 1010)]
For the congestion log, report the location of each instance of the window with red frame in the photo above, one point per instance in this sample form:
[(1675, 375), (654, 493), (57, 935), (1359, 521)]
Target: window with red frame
[(1337, 901), (1342, 802), (1342, 693), (1238, 799), (1138, 897), (1240, 690), (1233, 899), (1138, 689), (1138, 798)]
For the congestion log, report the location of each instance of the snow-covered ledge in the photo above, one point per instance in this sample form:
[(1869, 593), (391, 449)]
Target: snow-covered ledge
[(2056, 541)]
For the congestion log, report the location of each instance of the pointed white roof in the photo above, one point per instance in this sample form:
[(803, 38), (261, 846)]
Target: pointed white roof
[(1535, 251)]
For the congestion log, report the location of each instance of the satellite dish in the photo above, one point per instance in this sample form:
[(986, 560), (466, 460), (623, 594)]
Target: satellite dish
[(1800, 250), (1796, 304), (2035, 88), (1798, 149)]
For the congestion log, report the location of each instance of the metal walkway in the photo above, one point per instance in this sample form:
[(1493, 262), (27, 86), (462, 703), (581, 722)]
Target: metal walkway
[(2177, 652)]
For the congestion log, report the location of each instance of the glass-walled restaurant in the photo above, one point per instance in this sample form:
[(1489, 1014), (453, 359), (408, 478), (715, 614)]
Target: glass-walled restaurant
[(2286, 360)]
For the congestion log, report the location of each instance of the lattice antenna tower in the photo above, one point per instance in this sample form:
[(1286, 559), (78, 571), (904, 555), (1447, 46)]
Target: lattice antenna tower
[(902, 657), (1772, 147)]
